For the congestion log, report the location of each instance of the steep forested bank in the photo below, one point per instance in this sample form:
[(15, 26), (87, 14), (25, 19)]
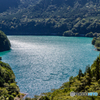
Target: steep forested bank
[(4, 42), (96, 43), (8, 87)]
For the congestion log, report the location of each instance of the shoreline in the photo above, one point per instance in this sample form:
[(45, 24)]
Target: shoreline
[(22, 96), (25, 94), (96, 48), (44, 34)]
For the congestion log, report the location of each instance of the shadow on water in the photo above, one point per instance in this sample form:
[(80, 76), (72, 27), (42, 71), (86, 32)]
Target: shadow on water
[(43, 63), (4, 52)]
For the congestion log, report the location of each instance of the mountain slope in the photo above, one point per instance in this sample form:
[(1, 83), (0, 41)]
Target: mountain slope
[(5, 4), (26, 3), (63, 17)]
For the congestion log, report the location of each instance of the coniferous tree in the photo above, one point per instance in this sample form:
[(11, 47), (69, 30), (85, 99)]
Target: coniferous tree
[(0, 58), (97, 68), (88, 70), (80, 73)]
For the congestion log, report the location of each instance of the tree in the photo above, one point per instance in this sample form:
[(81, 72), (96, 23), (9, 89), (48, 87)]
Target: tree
[(4, 42), (89, 34), (97, 68), (11, 97), (70, 80), (44, 98), (88, 70), (68, 33), (0, 58), (94, 40), (2, 81), (97, 43), (80, 74)]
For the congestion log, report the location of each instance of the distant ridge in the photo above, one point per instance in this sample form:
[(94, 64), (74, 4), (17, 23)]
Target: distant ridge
[(6, 4), (63, 17)]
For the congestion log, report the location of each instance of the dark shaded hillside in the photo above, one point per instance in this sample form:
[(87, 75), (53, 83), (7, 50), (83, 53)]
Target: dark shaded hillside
[(5, 4), (4, 42), (63, 17), (18, 4), (26, 3)]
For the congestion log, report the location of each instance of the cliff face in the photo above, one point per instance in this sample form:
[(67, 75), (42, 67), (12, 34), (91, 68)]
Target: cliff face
[(4, 42)]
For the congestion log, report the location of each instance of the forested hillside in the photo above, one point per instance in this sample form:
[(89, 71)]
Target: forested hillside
[(46, 17), (8, 87), (26, 3), (6, 4)]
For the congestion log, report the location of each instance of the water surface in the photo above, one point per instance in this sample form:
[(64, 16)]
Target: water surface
[(41, 63)]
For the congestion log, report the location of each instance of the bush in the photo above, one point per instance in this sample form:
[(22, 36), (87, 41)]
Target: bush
[(27, 98), (2, 81), (4, 42), (11, 97), (89, 34), (5, 65), (94, 40), (99, 81), (68, 33), (44, 98), (97, 43), (0, 58), (98, 92)]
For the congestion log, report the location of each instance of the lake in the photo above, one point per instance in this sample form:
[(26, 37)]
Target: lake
[(42, 63)]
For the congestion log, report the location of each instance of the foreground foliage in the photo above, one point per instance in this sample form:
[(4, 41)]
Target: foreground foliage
[(89, 81), (8, 87), (96, 42)]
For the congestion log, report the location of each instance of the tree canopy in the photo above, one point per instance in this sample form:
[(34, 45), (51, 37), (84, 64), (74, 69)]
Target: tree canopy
[(8, 86), (44, 17), (4, 42)]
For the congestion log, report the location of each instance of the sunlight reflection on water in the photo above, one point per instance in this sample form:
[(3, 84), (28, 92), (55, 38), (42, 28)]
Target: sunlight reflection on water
[(42, 63)]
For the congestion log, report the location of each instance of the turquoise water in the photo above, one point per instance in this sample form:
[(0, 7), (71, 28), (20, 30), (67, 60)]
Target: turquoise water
[(41, 63)]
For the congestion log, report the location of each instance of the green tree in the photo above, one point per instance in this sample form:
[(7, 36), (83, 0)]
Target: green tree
[(0, 58), (89, 34), (97, 68), (11, 97), (44, 98), (2, 81), (80, 74), (8, 87), (94, 40), (88, 70), (68, 33), (70, 78), (97, 43), (4, 42)]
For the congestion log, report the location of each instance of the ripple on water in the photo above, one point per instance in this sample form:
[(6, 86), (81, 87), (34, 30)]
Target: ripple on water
[(41, 63)]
